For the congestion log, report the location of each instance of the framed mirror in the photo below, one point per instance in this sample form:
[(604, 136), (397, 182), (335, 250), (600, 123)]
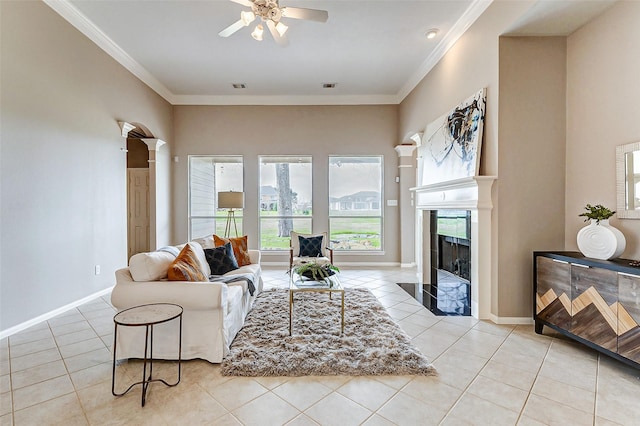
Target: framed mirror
[(628, 180)]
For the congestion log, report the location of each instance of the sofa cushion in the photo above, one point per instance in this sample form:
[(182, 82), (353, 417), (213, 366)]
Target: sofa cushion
[(151, 266), (239, 245), (205, 242), (186, 267), (221, 259), (234, 298)]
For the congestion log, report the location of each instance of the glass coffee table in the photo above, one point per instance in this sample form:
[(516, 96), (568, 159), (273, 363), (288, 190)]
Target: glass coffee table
[(329, 285)]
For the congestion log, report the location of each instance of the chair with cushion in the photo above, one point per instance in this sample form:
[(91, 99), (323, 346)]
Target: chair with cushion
[(309, 248)]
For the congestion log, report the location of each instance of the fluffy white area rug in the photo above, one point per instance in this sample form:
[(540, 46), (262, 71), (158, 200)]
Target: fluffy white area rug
[(372, 343)]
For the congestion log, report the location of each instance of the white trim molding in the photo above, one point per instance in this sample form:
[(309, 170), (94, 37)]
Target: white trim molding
[(470, 16), (80, 21), (23, 326), (76, 18), (511, 320), (474, 194)]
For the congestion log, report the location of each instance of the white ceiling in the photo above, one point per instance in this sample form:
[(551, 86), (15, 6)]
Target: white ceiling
[(374, 50)]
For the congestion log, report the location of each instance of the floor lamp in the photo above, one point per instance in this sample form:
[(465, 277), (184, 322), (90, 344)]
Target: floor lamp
[(230, 200)]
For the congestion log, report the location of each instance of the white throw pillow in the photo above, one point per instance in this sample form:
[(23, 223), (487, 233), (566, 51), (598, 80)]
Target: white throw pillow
[(205, 242), (202, 259), (150, 266)]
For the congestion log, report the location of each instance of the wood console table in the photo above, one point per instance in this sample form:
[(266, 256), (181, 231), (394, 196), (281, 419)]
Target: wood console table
[(596, 302)]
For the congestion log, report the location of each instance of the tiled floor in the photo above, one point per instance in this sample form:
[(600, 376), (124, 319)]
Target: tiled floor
[(59, 372)]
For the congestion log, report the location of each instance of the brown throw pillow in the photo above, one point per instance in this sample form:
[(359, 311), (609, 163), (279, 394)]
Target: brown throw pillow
[(186, 267), (239, 245)]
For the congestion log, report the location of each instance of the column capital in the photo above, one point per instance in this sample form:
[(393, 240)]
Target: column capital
[(405, 150), (153, 144), (125, 128)]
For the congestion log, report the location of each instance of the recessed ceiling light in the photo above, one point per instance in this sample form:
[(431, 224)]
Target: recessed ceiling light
[(239, 85), (431, 33), (328, 85)]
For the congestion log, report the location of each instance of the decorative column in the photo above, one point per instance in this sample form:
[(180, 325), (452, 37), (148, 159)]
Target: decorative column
[(406, 179), (154, 146)]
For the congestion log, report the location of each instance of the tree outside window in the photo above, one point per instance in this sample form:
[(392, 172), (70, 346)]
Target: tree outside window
[(285, 199)]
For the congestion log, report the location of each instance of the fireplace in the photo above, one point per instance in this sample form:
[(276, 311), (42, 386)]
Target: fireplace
[(448, 292), (453, 265)]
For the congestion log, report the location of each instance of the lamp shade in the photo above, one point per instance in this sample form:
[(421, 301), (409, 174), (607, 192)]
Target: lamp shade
[(230, 200)]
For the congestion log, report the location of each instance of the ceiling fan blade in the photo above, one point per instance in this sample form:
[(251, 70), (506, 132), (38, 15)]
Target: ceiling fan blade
[(238, 25), (282, 40), (247, 3), (308, 14)]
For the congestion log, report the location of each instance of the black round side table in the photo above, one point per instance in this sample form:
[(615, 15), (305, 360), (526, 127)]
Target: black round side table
[(146, 316)]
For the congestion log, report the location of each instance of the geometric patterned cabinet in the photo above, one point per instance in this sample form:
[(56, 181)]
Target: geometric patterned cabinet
[(593, 301)]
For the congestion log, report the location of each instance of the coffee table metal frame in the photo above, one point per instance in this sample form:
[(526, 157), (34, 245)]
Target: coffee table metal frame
[(330, 284), (139, 316)]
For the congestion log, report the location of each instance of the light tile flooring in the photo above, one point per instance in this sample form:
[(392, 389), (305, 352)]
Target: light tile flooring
[(59, 372)]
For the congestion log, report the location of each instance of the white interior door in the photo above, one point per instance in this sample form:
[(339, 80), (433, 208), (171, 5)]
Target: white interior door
[(138, 206)]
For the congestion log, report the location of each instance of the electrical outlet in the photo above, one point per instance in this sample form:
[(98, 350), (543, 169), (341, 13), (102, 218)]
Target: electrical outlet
[(97, 269)]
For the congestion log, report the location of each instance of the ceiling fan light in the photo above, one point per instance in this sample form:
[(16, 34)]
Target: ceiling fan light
[(247, 17), (281, 28), (257, 32)]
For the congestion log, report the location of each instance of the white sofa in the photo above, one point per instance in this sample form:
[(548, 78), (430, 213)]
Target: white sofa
[(213, 314)]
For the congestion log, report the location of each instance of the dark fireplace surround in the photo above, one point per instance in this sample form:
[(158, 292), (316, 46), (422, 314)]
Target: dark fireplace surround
[(449, 290)]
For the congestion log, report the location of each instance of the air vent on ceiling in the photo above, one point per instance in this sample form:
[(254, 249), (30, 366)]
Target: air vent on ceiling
[(328, 85), (239, 86)]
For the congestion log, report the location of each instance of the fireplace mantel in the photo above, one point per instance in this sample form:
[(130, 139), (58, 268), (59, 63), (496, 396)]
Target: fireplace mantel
[(472, 194)]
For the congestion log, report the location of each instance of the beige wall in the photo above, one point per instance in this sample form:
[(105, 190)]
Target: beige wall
[(62, 169), (531, 159), (470, 65), (557, 108), (319, 131), (603, 111)]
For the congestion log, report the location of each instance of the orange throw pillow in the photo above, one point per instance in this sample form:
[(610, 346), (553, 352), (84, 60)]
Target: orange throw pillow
[(239, 245), (186, 267)]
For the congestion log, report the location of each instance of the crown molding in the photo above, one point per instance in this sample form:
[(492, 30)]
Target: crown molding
[(95, 34), (472, 13), (76, 18), (287, 100)]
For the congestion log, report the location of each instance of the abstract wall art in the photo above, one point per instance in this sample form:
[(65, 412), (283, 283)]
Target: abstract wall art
[(451, 144)]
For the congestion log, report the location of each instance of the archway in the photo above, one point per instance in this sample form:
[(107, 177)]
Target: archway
[(142, 187)]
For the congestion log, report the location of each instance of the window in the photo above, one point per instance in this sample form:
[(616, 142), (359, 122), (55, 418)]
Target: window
[(285, 199), (355, 194), (209, 175)]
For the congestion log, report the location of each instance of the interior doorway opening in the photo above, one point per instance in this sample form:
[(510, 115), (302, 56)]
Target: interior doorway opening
[(138, 193)]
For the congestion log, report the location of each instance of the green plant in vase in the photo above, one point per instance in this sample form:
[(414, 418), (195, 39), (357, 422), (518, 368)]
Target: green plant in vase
[(597, 213), (315, 271)]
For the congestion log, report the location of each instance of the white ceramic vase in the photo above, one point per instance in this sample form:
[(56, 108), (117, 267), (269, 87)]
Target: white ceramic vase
[(601, 240)]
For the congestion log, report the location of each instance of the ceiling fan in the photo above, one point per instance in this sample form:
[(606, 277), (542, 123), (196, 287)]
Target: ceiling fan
[(270, 12)]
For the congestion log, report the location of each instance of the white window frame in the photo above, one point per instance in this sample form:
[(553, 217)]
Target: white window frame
[(270, 159), (219, 215), (379, 250)]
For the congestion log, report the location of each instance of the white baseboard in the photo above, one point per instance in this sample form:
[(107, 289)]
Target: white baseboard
[(511, 320), (339, 264), (23, 326), (408, 265)]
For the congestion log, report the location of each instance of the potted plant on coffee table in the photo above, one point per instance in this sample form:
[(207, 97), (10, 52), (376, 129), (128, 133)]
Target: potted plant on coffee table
[(315, 271)]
